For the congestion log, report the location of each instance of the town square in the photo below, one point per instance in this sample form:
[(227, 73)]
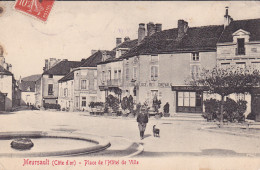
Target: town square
[(95, 82)]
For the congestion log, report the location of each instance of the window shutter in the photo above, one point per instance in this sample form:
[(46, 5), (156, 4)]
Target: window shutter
[(87, 84)]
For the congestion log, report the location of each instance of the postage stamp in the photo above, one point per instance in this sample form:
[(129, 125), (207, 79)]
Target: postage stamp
[(37, 8)]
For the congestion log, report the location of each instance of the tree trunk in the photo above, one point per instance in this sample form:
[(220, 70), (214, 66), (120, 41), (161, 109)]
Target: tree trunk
[(221, 110)]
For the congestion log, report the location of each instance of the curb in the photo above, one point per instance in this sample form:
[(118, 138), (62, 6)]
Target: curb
[(102, 144), (227, 132)]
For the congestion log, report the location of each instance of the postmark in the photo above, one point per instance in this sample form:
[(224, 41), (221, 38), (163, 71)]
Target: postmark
[(37, 8)]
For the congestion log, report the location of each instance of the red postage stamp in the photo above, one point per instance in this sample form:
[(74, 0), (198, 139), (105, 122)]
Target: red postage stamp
[(37, 8)]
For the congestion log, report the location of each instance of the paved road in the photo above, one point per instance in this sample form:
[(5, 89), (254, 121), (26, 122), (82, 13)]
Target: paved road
[(177, 138)]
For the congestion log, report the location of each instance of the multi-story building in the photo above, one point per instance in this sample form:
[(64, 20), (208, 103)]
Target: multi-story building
[(239, 47), (28, 85), (162, 63), (9, 93), (79, 87), (111, 69), (49, 80)]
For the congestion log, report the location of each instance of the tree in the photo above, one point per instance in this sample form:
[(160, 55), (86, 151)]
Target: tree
[(124, 103), (227, 81)]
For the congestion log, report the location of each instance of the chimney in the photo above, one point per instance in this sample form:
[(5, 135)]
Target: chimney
[(46, 65), (182, 28), (150, 29), (227, 18), (158, 27), (126, 39), (104, 55), (118, 41), (141, 32), (10, 67), (93, 52)]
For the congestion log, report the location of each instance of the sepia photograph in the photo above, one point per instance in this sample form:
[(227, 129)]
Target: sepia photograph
[(129, 85)]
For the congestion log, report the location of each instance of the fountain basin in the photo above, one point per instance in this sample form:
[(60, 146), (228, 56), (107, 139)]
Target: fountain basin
[(22, 143), (64, 144)]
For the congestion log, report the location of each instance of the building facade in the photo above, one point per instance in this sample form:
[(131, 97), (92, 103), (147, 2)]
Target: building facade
[(239, 47), (9, 92), (50, 78)]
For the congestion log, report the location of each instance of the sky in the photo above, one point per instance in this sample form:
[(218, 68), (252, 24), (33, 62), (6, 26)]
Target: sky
[(73, 29)]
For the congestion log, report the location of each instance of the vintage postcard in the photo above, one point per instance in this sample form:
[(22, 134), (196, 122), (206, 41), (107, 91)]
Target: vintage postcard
[(129, 85)]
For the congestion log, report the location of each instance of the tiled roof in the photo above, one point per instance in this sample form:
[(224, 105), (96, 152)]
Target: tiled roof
[(196, 39), (62, 68), (3, 71), (96, 58), (27, 86), (69, 76), (32, 77), (252, 26), (127, 44)]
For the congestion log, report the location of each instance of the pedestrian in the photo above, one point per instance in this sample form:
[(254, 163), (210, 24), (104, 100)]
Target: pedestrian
[(142, 119)]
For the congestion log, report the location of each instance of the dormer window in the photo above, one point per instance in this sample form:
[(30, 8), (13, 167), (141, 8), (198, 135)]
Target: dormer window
[(195, 56), (240, 46)]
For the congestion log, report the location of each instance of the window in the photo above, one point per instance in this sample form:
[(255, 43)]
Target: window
[(115, 74), (240, 46), (134, 73), (195, 56), (103, 76), (154, 73), (154, 58), (189, 99), (195, 69), (127, 73), (83, 102), (240, 96), (83, 84), (50, 89), (109, 75), (119, 74), (50, 76), (66, 92)]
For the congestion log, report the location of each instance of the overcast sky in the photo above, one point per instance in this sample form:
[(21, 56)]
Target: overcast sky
[(73, 29)]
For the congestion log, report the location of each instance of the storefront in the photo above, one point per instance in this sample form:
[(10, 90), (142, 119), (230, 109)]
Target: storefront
[(189, 99)]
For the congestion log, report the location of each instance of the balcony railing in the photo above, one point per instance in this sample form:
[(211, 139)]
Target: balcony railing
[(240, 51), (114, 82)]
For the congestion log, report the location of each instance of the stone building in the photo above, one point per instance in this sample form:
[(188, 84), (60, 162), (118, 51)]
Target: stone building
[(28, 86), (162, 62), (49, 81), (239, 47), (9, 92), (79, 87)]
